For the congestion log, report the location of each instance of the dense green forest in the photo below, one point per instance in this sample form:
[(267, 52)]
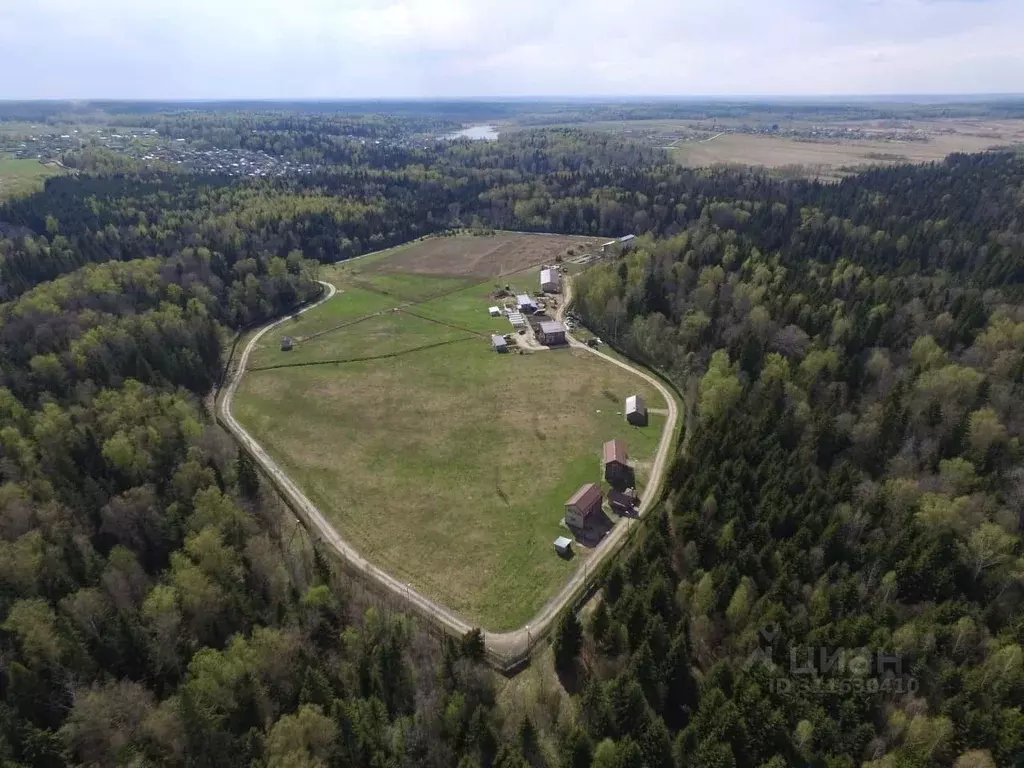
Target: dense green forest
[(852, 359)]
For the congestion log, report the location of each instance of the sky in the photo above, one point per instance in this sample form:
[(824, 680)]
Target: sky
[(323, 49)]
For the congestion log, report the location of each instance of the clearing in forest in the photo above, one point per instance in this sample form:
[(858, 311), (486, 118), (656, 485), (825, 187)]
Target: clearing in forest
[(443, 462), (23, 177)]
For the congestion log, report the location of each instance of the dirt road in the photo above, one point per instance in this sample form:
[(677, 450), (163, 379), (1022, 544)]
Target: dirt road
[(505, 649)]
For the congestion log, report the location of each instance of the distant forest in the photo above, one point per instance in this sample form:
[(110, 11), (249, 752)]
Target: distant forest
[(851, 358), (530, 112)]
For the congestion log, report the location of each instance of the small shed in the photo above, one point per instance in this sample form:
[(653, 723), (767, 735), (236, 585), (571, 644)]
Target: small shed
[(627, 243), (525, 303), (549, 281), (623, 502), (287, 344), (636, 411), (499, 343), (583, 504), (552, 332), (617, 471), (563, 546), (494, 311), (517, 319)]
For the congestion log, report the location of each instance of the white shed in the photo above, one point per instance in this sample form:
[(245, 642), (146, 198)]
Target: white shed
[(549, 281), (525, 303), (494, 311), (563, 546), (636, 411)]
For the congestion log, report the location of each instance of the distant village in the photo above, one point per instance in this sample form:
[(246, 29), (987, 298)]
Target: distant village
[(147, 145)]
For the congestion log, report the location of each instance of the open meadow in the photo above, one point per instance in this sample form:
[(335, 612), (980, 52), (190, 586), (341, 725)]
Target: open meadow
[(832, 156), (23, 177), (444, 463), (825, 148)]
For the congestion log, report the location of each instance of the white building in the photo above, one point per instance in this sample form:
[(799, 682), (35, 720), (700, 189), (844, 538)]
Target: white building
[(526, 303), (636, 411), (549, 281), (494, 311)]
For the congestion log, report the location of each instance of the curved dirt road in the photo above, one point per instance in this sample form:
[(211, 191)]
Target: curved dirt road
[(505, 649)]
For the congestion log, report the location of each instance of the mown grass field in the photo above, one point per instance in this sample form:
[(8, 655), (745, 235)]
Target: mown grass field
[(447, 466), (23, 177)]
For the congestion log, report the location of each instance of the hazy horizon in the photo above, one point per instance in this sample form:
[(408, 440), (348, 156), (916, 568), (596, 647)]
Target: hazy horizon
[(215, 50)]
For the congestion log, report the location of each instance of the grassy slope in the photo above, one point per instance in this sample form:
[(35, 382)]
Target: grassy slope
[(450, 466)]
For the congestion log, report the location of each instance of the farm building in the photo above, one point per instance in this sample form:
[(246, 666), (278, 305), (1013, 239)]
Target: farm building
[(617, 471), (517, 319), (563, 546), (623, 502), (499, 343), (287, 344), (494, 311), (525, 303), (619, 245), (636, 411), (584, 503), (551, 332), (550, 281)]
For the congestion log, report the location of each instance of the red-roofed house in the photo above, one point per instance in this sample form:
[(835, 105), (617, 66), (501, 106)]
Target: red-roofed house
[(584, 503), (617, 471)]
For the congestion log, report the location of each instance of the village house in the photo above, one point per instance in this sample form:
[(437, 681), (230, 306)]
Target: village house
[(585, 503), (551, 333), (636, 411), (617, 471)]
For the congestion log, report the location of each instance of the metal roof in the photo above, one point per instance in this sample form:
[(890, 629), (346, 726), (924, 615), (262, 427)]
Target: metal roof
[(586, 497), (498, 341), (524, 299), (615, 450), (548, 276), (551, 326), (627, 238), (563, 543), (635, 404), (516, 318)]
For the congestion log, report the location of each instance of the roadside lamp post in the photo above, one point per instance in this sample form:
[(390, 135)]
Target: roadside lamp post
[(528, 641)]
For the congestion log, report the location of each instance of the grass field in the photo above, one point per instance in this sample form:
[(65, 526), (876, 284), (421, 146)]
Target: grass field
[(823, 157), (23, 177), (823, 148), (447, 466)]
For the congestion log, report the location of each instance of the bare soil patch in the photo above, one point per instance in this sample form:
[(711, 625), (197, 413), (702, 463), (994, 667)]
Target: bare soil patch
[(479, 256)]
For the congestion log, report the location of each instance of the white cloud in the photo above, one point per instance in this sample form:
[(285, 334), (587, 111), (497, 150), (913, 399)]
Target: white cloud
[(395, 48)]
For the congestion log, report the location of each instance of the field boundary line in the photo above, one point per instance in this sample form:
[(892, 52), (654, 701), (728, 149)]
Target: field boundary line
[(370, 358)]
